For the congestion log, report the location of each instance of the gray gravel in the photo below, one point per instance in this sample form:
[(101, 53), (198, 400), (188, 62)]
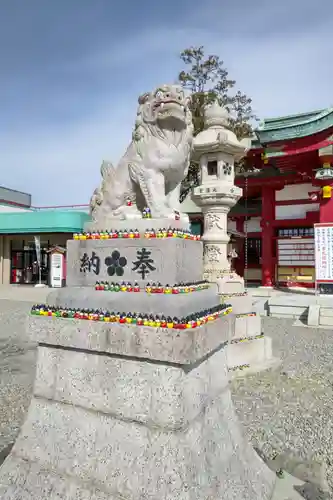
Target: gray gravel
[(289, 409), (17, 369)]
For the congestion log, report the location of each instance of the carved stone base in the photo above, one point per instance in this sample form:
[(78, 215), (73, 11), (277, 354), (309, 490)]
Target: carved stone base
[(230, 283), (169, 261)]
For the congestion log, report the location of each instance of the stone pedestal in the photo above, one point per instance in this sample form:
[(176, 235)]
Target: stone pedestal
[(132, 412), (114, 411), (249, 350), (169, 261), (230, 284)]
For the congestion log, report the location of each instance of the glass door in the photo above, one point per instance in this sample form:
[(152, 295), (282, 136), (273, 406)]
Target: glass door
[(25, 269)]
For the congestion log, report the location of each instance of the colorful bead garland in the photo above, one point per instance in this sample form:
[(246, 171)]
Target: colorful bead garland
[(191, 321), (247, 339), (245, 315), (239, 367), (179, 288), (146, 213), (130, 234), (170, 233), (230, 296)]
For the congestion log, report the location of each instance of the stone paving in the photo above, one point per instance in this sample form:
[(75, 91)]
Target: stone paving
[(287, 409)]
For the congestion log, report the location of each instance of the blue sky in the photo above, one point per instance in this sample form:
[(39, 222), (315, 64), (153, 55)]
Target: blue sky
[(71, 71)]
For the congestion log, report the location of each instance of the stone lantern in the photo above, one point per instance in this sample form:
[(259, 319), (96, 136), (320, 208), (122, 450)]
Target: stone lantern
[(216, 149)]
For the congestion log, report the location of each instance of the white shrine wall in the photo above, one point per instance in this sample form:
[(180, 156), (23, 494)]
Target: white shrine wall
[(293, 193), (295, 211)]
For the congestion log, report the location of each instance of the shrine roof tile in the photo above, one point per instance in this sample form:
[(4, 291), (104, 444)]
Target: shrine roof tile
[(294, 126)]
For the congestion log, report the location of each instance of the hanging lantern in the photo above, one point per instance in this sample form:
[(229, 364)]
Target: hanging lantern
[(326, 172), (264, 158), (327, 192)]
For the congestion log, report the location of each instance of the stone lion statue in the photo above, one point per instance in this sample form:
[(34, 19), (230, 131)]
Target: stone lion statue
[(155, 163)]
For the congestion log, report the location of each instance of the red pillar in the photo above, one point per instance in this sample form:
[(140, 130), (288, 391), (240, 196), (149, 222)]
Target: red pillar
[(267, 233)]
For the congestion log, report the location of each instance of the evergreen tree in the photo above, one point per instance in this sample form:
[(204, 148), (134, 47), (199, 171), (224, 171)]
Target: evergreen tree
[(208, 80)]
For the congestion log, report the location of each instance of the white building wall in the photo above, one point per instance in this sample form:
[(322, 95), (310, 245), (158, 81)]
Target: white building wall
[(295, 211), (291, 193), (295, 192), (12, 208)]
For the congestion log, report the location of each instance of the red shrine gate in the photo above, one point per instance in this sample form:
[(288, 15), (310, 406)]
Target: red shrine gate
[(292, 190)]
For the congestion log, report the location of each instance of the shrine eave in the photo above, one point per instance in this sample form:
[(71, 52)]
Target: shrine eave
[(294, 126), (297, 151)]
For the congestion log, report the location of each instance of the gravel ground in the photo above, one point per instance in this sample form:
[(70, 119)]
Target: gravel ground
[(289, 409), (17, 369)]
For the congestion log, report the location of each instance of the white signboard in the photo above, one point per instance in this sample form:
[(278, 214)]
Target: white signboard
[(56, 270), (324, 252), (37, 246), (296, 252)]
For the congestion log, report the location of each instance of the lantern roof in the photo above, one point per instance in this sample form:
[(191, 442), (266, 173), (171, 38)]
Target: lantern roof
[(216, 136)]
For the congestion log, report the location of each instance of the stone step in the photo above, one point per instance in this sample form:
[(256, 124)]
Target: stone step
[(288, 311), (260, 306), (325, 321), (326, 312)]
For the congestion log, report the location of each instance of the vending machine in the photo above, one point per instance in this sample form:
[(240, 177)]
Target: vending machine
[(57, 267)]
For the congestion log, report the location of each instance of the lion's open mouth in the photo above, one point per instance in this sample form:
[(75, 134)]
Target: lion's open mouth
[(161, 104)]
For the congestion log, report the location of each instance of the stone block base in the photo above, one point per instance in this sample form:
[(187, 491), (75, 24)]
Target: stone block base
[(290, 306), (246, 326), (229, 284), (325, 316), (102, 428), (240, 305), (184, 347), (168, 261), (169, 305), (254, 352)]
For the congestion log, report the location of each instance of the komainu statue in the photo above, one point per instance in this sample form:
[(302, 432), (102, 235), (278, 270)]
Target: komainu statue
[(155, 163)]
